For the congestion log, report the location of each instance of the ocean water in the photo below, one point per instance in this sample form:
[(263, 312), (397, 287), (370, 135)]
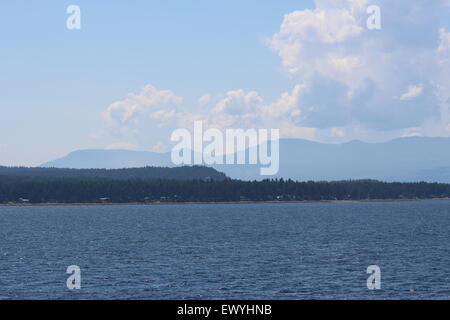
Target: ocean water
[(231, 251)]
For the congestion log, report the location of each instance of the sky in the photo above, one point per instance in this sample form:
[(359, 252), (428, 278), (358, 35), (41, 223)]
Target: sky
[(136, 71)]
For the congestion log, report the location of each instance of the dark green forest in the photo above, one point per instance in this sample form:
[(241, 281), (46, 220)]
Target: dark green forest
[(37, 185)]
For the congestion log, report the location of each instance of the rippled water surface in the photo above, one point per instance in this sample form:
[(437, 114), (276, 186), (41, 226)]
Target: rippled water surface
[(235, 251)]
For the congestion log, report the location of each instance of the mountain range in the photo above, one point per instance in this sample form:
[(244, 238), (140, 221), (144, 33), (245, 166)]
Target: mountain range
[(403, 159), (185, 173)]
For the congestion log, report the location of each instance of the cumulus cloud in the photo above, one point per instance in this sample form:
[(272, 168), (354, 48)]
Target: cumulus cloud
[(248, 109), (128, 110), (355, 76), (336, 132), (323, 27), (204, 99), (412, 133), (348, 81), (444, 44), (413, 92), (160, 147), (232, 109)]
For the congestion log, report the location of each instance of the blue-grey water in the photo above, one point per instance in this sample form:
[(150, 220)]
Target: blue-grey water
[(234, 251)]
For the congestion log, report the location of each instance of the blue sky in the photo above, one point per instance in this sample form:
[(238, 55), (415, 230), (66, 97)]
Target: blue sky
[(57, 86)]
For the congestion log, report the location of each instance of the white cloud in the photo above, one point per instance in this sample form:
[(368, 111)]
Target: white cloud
[(412, 133), (128, 110), (320, 28), (205, 99), (412, 92), (238, 102), (348, 82), (336, 132), (160, 147), (444, 45), (163, 114), (286, 105), (352, 75), (327, 25)]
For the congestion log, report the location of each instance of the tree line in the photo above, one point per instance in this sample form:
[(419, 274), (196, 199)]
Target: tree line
[(40, 189)]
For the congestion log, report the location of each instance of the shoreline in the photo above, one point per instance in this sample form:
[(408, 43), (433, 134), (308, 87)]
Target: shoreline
[(204, 203)]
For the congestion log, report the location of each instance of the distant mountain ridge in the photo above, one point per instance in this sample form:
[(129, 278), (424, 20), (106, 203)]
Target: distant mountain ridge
[(403, 159), (110, 159), (145, 173)]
